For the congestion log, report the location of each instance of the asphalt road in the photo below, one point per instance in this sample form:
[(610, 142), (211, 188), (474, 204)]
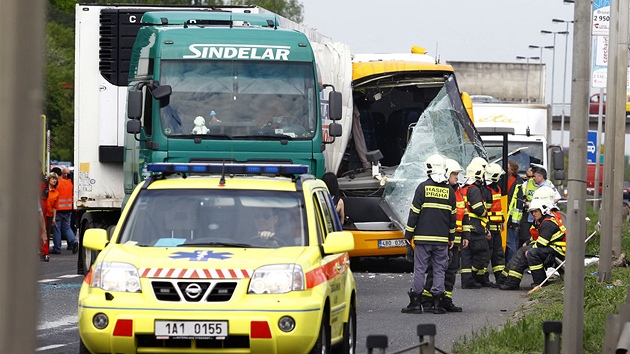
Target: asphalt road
[(382, 287), (381, 284)]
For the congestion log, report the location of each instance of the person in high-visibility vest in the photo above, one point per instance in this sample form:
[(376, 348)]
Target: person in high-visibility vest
[(475, 256), (462, 232), (64, 214), (496, 221), (550, 242), (431, 227)]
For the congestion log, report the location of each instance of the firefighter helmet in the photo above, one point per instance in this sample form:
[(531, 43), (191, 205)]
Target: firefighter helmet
[(494, 171), (476, 169), (539, 204), (544, 193), (435, 164), (452, 166)]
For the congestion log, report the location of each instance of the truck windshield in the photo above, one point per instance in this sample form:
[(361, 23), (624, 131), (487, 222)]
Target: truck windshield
[(202, 217), (239, 99)]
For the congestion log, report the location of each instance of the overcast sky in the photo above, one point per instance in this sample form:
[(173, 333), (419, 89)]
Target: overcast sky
[(457, 30)]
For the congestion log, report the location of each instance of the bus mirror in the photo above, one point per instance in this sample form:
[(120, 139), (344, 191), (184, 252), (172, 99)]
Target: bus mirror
[(558, 160), (134, 104), (334, 105)]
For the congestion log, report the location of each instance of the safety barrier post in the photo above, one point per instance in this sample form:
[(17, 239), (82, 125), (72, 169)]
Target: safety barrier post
[(552, 331), (376, 341), (427, 346)]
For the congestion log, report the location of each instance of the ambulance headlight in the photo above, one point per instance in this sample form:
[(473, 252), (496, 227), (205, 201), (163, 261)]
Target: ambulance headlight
[(116, 276), (276, 279)]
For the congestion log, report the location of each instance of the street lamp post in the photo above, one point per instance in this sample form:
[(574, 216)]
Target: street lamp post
[(527, 73), (531, 46), (564, 78), (553, 61)]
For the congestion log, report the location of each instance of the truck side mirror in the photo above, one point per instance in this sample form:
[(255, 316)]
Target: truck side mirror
[(558, 175), (334, 129), (134, 126), (558, 160), (134, 104), (334, 105), (162, 92)]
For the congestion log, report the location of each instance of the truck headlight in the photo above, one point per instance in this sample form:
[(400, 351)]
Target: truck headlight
[(276, 279), (116, 276)]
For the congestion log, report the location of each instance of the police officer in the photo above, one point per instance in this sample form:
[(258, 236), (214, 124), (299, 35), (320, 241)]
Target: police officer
[(431, 226), (462, 231), (496, 221), (475, 256)]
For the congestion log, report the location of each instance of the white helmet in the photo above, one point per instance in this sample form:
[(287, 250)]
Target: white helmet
[(452, 166), (476, 169), (544, 193), (539, 204), (435, 163), (494, 171)]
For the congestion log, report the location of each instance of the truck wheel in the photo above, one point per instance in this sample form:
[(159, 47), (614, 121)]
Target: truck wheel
[(87, 255)]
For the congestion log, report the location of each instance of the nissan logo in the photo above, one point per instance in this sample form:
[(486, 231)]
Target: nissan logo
[(193, 290)]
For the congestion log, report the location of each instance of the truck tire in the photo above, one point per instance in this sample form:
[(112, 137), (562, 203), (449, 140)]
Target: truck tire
[(87, 255)]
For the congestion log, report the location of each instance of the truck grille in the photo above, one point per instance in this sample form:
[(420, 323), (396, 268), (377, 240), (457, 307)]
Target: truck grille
[(193, 291)]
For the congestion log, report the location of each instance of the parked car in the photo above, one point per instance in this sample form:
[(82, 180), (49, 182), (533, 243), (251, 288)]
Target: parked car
[(593, 106)]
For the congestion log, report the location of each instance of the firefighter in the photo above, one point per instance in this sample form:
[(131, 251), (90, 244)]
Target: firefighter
[(462, 230), (496, 221), (431, 226), (548, 242), (475, 256)]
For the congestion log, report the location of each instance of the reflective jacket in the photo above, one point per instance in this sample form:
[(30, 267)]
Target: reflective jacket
[(515, 207), (534, 232), (495, 210), (476, 208), (551, 233), (462, 221), (432, 214), (64, 187)]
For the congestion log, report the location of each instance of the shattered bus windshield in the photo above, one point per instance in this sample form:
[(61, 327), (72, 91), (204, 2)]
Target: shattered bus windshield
[(443, 128)]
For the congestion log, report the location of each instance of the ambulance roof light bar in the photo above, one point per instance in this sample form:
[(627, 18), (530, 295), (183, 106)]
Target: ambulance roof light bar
[(285, 170)]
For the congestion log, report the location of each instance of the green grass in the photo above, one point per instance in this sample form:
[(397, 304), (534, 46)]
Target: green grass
[(523, 333)]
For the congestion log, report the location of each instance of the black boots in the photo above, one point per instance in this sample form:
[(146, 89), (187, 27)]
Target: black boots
[(448, 305), (414, 303), (438, 301)]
